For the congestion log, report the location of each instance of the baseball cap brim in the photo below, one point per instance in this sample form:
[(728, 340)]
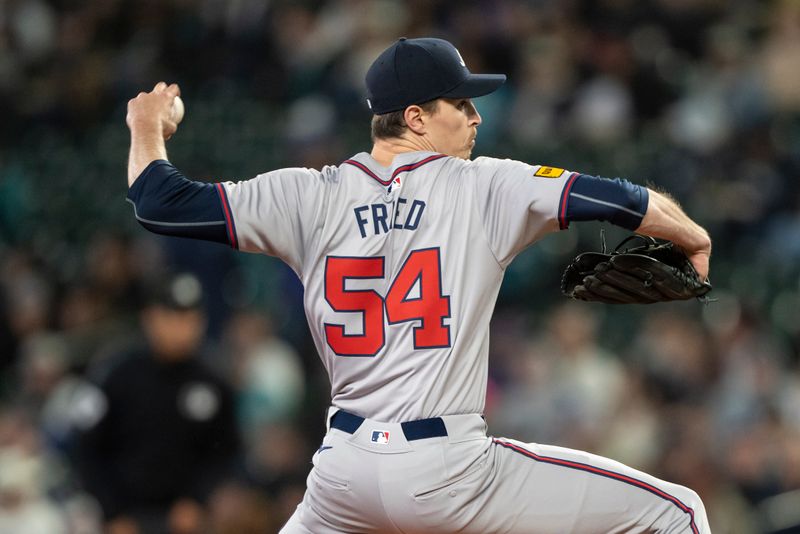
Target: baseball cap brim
[(476, 85)]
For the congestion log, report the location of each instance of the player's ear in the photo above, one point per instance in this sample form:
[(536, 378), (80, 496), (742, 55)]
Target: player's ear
[(415, 119)]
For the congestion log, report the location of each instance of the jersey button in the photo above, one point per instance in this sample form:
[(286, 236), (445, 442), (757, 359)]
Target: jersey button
[(453, 493)]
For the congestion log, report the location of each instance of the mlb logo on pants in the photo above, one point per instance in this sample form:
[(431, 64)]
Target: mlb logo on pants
[(380, 436)]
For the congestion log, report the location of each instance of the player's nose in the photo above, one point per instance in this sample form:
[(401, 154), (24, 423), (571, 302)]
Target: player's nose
[(474, 117)]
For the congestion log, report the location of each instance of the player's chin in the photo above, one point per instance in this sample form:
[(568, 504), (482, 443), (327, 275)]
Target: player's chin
[(468, 148), (463, 153)]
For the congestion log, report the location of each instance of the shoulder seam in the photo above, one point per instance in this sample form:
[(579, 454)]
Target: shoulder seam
[(319, 213), (483, 224)]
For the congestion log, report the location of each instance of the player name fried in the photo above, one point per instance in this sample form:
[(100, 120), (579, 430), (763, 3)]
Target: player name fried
[(376, 219)]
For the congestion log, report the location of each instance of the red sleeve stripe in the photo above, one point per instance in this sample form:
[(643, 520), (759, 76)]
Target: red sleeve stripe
[(226, 210), (563, 223), (606, 473)]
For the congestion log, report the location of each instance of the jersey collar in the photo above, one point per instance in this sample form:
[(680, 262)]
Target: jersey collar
[(392, 176)]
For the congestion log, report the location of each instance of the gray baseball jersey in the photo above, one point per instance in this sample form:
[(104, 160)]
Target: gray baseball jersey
[(401, 268), (401, 324)]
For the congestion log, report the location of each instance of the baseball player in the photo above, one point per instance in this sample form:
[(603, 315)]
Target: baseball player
[(401, 251)]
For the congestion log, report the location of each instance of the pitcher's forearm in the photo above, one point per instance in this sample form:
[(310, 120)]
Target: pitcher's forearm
[(147, 145), (666, 220)]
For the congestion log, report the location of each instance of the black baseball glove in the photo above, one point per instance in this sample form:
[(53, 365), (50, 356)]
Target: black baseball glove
[(646, 271)]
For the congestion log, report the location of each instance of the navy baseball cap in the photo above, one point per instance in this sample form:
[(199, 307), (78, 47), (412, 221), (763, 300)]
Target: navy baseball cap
[(415, 71)]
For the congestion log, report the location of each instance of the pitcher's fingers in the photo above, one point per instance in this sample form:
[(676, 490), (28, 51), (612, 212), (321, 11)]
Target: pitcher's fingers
[(160, 86), (700, 263), (174, 89)]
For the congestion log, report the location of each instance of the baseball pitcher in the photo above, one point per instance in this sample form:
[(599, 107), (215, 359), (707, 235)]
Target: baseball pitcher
[(402, 251)]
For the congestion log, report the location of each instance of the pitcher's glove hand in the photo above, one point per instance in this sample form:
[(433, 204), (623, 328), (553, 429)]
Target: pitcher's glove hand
[(647, 272)]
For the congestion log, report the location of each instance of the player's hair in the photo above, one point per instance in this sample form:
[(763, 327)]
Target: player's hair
[(392, 124)]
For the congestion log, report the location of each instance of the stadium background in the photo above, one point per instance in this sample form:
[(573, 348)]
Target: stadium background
[(700, 97)]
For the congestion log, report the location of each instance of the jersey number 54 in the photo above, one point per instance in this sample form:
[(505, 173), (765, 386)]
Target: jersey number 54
[(431, 307)]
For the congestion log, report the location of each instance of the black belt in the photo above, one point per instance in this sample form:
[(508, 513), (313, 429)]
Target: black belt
[(413, 430)]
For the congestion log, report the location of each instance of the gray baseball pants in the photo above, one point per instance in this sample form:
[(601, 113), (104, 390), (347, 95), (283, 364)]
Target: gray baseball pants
[(374, 479)]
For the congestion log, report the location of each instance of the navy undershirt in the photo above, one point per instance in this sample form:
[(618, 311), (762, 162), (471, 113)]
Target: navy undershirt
[(166, 202)]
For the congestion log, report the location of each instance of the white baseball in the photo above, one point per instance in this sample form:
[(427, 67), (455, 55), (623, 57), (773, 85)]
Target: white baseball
[(176, 113)]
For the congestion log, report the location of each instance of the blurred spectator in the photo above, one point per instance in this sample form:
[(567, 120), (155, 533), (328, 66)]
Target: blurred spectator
[(159, 432), (566, 387), (270, 387), (235, 508), (98, 308), (674, 355), (634, 434), (267, 373), (278, 464), (545, 81), (24, 506), (751, 382), (781, 56), (28, 298), (49, 391)]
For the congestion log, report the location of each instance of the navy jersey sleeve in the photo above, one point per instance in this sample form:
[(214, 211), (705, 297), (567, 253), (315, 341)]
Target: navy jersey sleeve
[(166, 202), (592, 198)]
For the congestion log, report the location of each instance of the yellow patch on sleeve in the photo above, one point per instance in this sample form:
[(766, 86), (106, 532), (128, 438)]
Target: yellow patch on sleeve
[(549, 172)]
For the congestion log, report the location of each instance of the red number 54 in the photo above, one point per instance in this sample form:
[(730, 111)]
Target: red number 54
[(430, 307)]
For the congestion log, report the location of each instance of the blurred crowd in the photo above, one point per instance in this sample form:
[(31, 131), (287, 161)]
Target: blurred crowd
[(699, 97)]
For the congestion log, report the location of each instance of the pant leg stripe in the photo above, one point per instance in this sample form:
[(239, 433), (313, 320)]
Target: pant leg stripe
[(606, 473)]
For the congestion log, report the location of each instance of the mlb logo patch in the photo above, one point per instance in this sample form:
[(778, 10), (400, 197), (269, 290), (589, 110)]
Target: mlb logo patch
[(395, 185), (380, 437)]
